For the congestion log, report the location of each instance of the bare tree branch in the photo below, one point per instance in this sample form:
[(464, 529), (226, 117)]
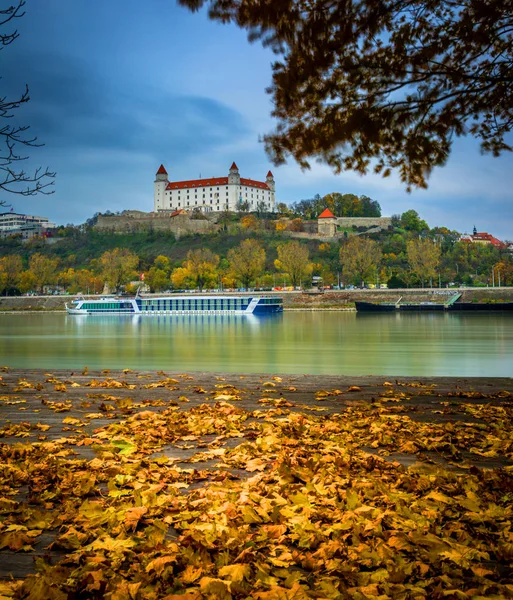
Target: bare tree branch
[(13, 178)]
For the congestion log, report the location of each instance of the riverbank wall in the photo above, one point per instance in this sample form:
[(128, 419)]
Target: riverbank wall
[(328, 300)]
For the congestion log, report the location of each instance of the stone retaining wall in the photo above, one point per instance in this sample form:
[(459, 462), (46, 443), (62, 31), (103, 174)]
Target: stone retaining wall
[(330, 299), (383, 222), (179, 225)]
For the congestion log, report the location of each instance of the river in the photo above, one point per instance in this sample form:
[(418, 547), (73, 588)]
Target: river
[(338, 343)]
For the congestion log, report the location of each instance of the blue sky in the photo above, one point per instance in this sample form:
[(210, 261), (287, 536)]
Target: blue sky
[(119, 87)]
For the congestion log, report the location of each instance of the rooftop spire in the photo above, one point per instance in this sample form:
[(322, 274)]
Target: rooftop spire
[(161, 170)]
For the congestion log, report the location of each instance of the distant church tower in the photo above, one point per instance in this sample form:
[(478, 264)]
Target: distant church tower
[(159, 188)]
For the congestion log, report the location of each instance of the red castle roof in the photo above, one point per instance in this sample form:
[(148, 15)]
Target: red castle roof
[(213, 181), (326, 214), (161, 170), (253, 183), (234, 166), (191, 183), (269, 174)]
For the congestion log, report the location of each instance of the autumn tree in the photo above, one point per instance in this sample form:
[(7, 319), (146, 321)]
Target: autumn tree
[(297, 225), (27, 282), (11, 267), (249, 222), (411, 221), (157, 278), (502, 273), (247, 261), (80, 281), (293, 259), (423, 258), (43, 270), (359, 258), (118, 267), (201, 267), (13, 136), (181, 279), (162, 262), (282, 209), (341, 205), (375, 84)]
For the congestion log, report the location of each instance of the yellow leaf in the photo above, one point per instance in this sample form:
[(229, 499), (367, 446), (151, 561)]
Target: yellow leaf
[(398, 543), (351, 499), (218, 588), (134, 515), (111, 544), (227, 398), (71, 421), (481, 572), (439, 497), (7, 589), (255, 464), (191, 574), (235, 572), (456, 557)]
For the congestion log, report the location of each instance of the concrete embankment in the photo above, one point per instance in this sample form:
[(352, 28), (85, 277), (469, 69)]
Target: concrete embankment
[(329, 300)]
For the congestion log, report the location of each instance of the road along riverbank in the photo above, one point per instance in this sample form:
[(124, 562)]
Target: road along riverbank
[(144, 484)]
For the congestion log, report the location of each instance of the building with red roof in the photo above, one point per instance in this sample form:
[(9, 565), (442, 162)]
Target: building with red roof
[(327, 223), (213, 194), (483, 238)]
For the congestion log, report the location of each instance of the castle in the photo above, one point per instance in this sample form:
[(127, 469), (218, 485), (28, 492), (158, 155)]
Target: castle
[(213, 194)]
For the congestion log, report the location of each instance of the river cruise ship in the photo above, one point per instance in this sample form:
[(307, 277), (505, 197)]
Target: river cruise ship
[(186, 304)]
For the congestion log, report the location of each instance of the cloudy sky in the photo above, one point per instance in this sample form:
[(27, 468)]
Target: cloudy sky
[(120, 86)]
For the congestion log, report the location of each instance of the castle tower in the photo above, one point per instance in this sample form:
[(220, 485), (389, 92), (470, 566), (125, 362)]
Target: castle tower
[(270, 181), (327, 223), (234, 175), (159, 189)]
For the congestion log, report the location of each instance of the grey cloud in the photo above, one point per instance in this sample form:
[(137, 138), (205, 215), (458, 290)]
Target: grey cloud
[(72, 107)]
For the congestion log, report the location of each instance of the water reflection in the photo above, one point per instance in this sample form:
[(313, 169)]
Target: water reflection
[(84, 321), (309, 342)]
